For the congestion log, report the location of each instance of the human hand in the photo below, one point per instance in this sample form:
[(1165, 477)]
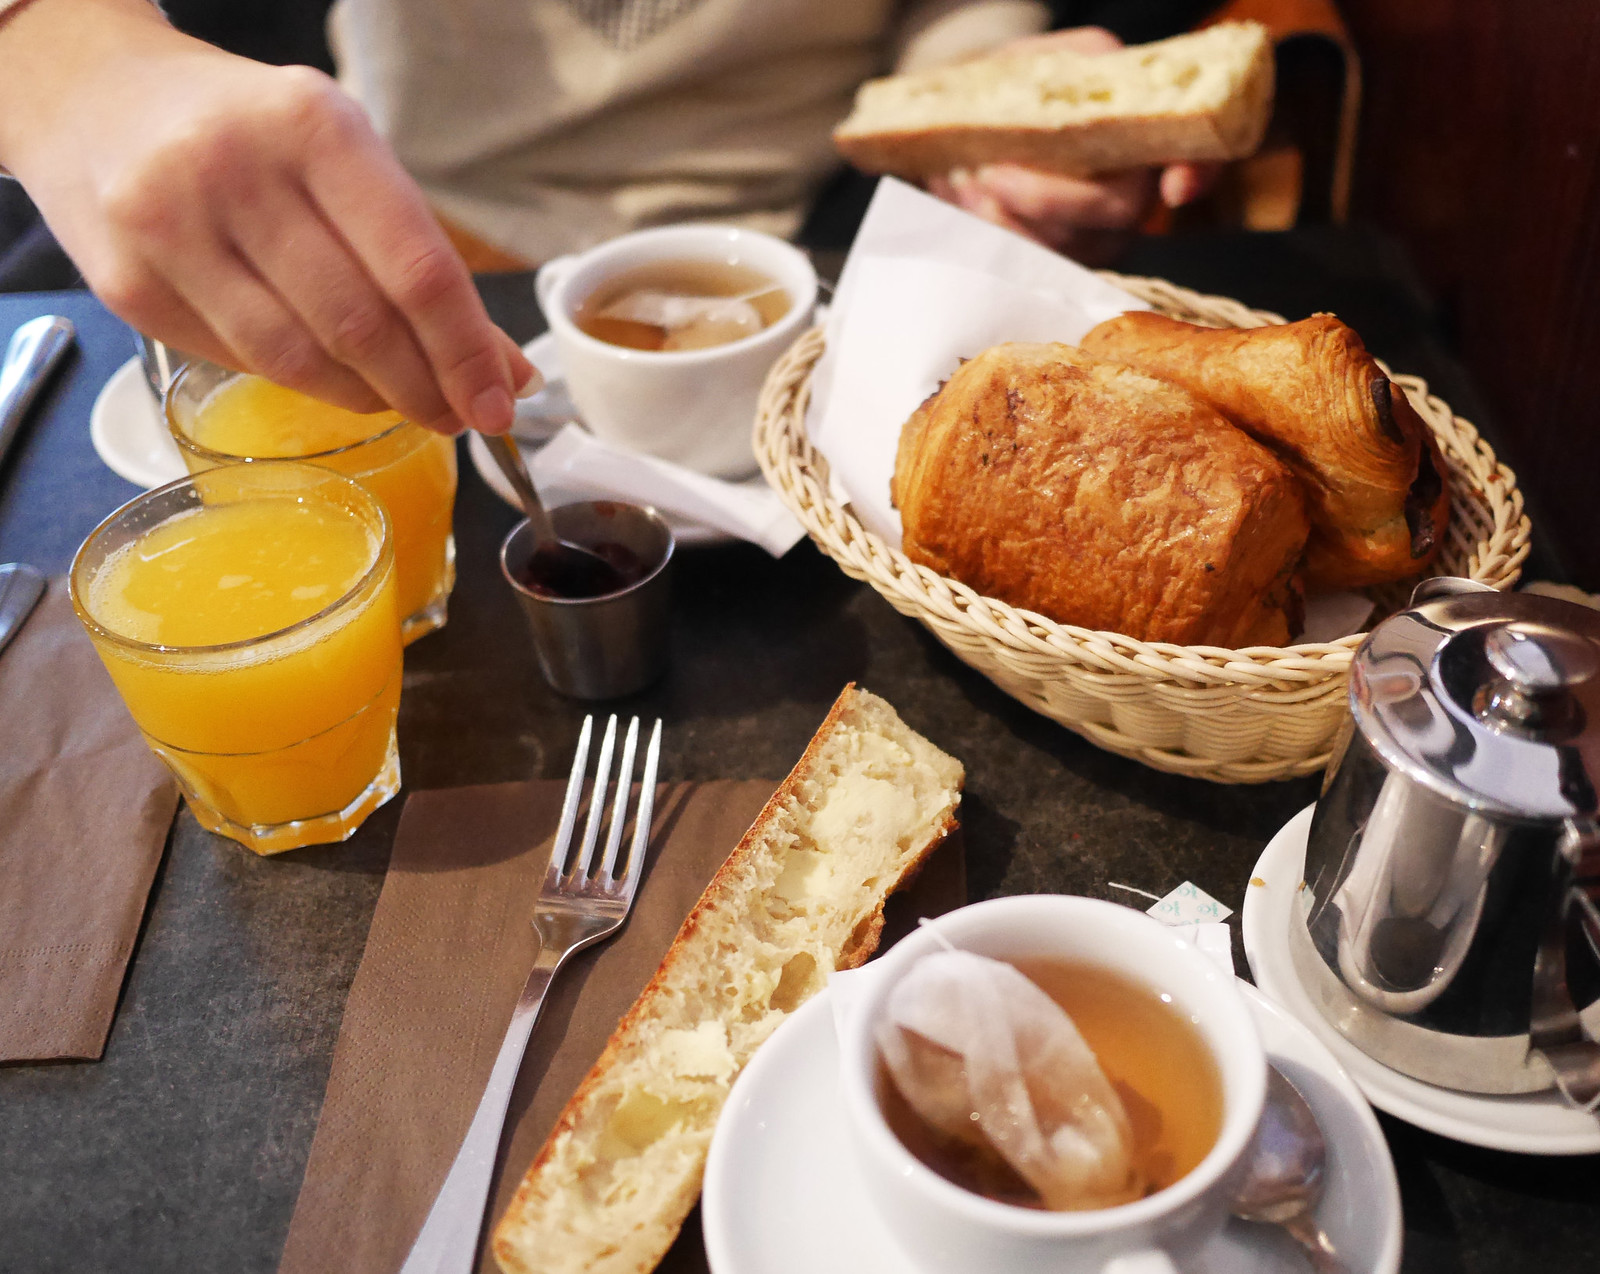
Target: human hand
[(1085, 217), (246, 213)]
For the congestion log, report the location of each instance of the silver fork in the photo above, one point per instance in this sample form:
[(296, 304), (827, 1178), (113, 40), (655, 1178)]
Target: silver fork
[(576, 908)]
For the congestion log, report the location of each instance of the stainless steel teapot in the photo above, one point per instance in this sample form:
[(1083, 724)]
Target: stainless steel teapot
[(1449, 924)]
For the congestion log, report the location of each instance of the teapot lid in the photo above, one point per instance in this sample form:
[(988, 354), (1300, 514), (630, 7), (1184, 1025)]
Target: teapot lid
[(1490, 699)]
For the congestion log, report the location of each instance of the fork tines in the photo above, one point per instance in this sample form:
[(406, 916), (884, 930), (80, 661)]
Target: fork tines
[(577, 873)]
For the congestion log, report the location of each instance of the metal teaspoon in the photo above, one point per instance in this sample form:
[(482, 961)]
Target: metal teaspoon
[(558, 566), (1283, 1183)]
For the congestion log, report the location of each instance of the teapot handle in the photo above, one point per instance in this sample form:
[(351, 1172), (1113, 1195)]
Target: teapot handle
[(1556, 1030)]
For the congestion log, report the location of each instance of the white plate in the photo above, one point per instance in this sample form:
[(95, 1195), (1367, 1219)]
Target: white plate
[(130, 433), (782, 1194), (1533, 1123), (538, 420)]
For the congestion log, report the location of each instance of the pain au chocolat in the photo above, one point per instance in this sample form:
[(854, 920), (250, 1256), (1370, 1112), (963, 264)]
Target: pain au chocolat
[(1101, 497), (1375, 481)]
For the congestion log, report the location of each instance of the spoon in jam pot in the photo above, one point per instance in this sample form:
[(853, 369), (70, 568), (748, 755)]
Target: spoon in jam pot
[(1284, 1180), (556, 567)]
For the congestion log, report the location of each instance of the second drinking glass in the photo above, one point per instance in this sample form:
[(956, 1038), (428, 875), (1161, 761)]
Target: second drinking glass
[(221, 417)]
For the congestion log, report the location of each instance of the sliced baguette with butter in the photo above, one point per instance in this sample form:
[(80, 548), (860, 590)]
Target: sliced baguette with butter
[(802, 893), (1202, 96)]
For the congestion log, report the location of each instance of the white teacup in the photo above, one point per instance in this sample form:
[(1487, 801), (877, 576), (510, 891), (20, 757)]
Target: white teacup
[(693, 407), (946, 1228)]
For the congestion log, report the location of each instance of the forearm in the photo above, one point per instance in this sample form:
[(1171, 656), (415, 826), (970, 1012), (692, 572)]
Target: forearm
[(54, 54)]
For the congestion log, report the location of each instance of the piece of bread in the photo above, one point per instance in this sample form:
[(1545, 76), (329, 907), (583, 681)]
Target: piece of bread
[(803, 893), (1375, 481), (1202, 96), (1102, 497)]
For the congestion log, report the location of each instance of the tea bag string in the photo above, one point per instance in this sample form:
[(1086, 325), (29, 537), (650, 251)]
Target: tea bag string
[(932, 926)]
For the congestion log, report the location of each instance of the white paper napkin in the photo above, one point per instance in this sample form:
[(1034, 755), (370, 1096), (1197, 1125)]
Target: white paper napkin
[(575, 465)]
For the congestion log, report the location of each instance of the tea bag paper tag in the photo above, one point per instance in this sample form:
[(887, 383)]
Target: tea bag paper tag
[(1189, 904)]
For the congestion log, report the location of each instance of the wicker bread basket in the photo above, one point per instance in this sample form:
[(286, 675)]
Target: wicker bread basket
[(1234, 716)]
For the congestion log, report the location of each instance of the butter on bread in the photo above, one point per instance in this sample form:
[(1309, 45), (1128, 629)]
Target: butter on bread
[(1206, 95), (1101, 497), (802, 893)]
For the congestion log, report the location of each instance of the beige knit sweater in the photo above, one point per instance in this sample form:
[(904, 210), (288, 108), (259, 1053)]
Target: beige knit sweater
[(543, 126)]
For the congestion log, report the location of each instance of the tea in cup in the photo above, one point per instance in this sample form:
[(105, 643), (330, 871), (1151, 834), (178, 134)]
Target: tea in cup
[(666, 336), (1173, 1088)]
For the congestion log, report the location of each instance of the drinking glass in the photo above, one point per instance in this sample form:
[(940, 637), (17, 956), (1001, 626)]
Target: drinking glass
[(283, 735), (411, 469)]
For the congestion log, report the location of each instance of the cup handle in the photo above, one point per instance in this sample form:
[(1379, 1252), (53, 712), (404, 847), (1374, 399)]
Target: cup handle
[(1149, 1261), (550, 274)]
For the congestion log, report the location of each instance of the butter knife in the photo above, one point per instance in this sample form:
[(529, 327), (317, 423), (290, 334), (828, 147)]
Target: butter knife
[(21, 587), (35, 349)]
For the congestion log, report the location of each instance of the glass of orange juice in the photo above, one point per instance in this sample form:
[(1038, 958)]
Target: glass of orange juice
[(219, 416), (249, 617)]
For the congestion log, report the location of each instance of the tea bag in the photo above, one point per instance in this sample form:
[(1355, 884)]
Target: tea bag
[(988, 1059), (689, 322)]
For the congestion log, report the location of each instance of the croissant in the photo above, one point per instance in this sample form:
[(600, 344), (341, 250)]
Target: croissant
[(1101, 497), (1375, 481)]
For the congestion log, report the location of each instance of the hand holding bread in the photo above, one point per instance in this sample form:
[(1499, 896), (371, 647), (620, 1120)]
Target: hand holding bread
[(1087, 217), (1200, 97)]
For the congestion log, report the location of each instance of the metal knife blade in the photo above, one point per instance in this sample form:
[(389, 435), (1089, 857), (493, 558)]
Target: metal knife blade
[(35, 348), (21, 587)]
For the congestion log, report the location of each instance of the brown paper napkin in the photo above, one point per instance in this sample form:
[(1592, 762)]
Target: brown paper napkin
[(84, 813), (450, 946)]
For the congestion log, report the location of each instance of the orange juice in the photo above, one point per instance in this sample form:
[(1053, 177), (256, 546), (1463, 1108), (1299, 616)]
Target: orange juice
[(222, 417), (255, 638)]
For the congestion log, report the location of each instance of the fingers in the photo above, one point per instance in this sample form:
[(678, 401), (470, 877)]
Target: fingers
[(1074, 39), (960, 188), (1087, 218), (321, 282), (175, 275), (362, 190), (1184, 183), (262, 334), (524, 375), (1050, 201)]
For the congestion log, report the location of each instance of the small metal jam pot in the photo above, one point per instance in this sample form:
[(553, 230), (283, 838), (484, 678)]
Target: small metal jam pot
[(1448, 925)]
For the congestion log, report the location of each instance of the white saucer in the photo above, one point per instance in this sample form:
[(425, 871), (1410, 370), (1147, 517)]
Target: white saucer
[(1534, 1123), (538, 420), (782, 1194), (129, 432)]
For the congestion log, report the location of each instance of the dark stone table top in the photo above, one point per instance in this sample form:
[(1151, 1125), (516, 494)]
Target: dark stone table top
[(183, 1148)]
